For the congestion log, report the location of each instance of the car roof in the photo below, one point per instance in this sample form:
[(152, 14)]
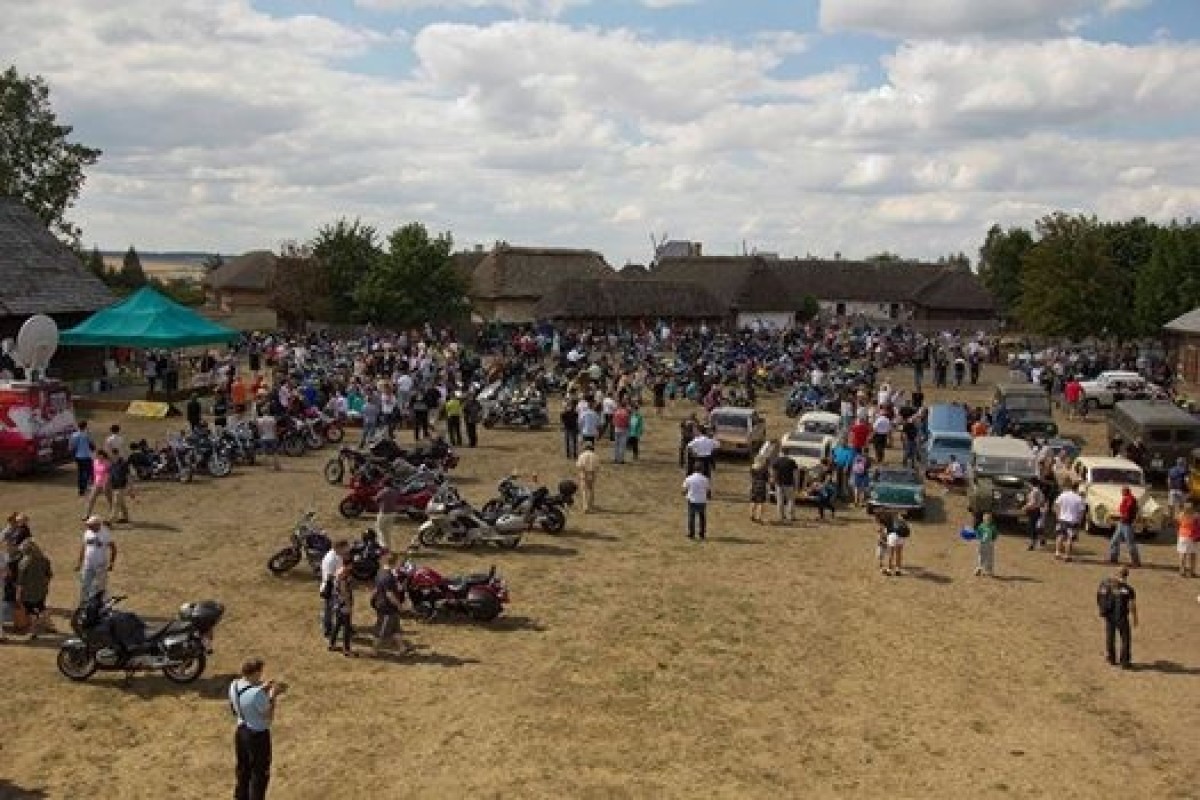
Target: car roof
[(732, 411), (795, 437), (1001, 446), (823, 416), (1107, 461)]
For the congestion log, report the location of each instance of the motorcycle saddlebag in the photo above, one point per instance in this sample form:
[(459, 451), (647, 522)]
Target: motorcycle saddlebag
[(204, 614)]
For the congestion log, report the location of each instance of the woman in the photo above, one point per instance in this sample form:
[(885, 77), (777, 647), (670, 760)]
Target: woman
[(1187, 531), (343, 610), (860, 479), (101, 483), (760, 476), (637, 427)]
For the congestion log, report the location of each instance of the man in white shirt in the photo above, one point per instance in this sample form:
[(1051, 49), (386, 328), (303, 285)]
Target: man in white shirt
[(330, 564), (703, 447), (696, 488), (1069, 509), (881, 432), (114, 445), (97, 557)]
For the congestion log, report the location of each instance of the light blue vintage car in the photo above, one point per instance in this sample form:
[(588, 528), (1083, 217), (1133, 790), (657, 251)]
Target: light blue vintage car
[(896, 489)]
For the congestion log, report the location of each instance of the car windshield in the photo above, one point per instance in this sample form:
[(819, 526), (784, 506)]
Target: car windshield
[(1116, 475), (730, 421), (1026, 403), (803, 451), (897, 476), (998, 465), (954, 442), (824, 428)]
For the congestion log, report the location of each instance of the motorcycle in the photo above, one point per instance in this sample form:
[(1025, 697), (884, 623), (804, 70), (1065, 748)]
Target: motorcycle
[(117, 641), (170, 462), (210, 453), (240, 442), (416, 493), (516, 414), (328, 428), (548, 510), (454, 521), (309, 543), (292, 436), (481, 597)]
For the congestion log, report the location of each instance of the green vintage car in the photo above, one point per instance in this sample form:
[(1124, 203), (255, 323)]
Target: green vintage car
[(896, 489)]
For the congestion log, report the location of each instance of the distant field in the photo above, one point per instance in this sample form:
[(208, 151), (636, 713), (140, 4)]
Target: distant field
[(167, 266)]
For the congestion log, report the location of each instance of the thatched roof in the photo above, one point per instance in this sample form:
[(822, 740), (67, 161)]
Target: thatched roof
[(38, 273), (466, 262), (253, 271), (618, 299), (633, 271), (954, 289), (529, 272)]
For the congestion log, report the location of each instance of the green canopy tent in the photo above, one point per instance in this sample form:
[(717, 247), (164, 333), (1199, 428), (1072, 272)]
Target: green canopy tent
[(148, 320)]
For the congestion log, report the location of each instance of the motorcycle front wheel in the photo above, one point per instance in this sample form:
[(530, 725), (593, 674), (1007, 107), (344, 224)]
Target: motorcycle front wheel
[(335, 471), (294, 446), (350, 508), (219, 466), (554, 520), (76, 664), (313, 440), (425, 610), (283, 561), (189, 670), (429, 535)]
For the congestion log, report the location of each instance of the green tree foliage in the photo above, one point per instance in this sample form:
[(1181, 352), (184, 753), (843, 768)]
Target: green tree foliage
[(1001, 261), (38, 162), (131, 274), (809, 308), (1169, 283), (413, 282), (1070, 286), (301, 287), (95, 262), (885, 257), (348, 252)]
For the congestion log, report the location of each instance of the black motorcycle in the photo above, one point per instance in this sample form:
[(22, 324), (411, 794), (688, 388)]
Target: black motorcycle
[(309, 543), (211, 452), (516, 415), (173, 462), (548, 511), (240, 442), (118, 641)]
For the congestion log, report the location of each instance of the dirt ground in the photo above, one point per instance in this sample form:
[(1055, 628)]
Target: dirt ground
[(632, 663)]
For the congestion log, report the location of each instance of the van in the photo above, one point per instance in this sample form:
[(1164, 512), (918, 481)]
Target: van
[(1166, 431), (1001, 472), (946, 435), (37, 419), (738, 431), (1026, 410)]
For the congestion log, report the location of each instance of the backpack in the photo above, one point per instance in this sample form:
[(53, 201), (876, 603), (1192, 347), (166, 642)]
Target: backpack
[(1106, 597), (902, 529)]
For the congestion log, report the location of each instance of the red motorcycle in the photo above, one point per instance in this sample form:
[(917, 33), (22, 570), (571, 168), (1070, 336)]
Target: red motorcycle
[(481, 597), (416, 492)]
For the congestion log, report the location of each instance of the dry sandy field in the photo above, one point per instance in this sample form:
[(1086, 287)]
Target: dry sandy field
[(768, 662)]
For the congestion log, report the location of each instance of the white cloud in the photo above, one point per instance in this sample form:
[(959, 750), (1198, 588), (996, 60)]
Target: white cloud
[(913, 19), (225, 128)]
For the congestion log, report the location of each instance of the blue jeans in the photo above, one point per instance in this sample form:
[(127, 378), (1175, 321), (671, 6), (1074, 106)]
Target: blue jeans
[(1124, 532), (697, 520), (620, 440), (328, 613)]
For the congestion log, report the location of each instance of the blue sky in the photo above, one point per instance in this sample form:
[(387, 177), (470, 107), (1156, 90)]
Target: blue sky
[(820, 126)]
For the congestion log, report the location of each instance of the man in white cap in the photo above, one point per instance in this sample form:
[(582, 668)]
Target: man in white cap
[(97, 557)]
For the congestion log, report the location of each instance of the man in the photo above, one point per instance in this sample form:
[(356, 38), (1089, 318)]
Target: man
[(843, 458), (97, 557), (784, 472), (268, 437), (703, 451), (119, 476), (1035, 508), (697, 489), (589, 424), (192, 411), (687, 432), (370, 417), (1072, 395), (114, 445), (388, 501), (331, 564), (387, 601), (472, 415), (620, 428), (253, 704), (1127, 513), (859, 434), (587, 465), (82, 448), (454, 413), (570, 425), (1177, 486), (881, 432), (33, 583), (1069, 509), (1118, 606)]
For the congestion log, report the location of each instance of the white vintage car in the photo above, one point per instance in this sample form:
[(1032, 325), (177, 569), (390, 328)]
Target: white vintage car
[(824, 423), (1100, 480)]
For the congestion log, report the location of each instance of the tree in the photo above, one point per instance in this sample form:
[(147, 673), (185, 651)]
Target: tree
[(886, 257), (38, 162), (347, 252), (1169, 284), (413, 282), (214, 261), (1000, 265), (95, 262), (301, 293), (132, 275), (809, 308), (960, 259), (1069, 284)]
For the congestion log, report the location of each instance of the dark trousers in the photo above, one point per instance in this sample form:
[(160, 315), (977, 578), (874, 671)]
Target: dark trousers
[(1034, 529), (879, 441), (632, 443), (454, 430), (420, 424), (342, 627), (704, 462), (697, 520), (83, 469), (571, 443), (1114, 625), (685, 458), (253, 750), (472, 434), (824, 505)]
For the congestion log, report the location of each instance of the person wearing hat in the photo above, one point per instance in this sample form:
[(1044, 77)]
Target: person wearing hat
[(97, 557), (588, 465)]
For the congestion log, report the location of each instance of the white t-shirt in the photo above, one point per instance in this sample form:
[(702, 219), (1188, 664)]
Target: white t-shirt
[(266, 428), (1069, 507), (703, 446), (330, 565), (609, 406), (114, 445), (883, 425), (95, 547), (696, 487), (956, 470)]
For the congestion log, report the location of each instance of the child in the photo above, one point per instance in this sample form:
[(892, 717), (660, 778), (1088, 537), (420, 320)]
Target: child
[(985, 537), (859, 478)]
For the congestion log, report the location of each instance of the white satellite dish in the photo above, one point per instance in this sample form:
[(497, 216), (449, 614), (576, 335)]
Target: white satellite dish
[(37, 342)]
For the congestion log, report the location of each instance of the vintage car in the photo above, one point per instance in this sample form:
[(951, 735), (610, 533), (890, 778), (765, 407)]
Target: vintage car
[(1109, 388), (1099, 480), (739, 431), (807, 450), (1026, 407), (821, 422), (896, 489), (1001, 471)]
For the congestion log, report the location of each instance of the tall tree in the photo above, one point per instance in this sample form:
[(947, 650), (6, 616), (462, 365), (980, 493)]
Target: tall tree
[(1069, 285), (347, 251), (132, 275), (1169, 284), (301, 293), (413, 282), (38, 162), (95, 262), (1000, 265)]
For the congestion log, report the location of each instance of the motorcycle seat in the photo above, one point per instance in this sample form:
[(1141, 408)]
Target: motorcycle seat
[(174, 626), (460, 582)]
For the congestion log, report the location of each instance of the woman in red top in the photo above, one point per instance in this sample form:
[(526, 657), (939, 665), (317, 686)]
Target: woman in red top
[(1187, 531)]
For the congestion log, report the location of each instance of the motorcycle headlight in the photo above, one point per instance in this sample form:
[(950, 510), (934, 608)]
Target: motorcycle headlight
[(996, 495)]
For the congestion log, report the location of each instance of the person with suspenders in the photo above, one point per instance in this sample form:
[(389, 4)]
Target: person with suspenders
[(253, 703)]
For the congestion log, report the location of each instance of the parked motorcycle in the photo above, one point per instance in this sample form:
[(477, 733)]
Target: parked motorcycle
[(173, 461), (309, 543), (548, 510), (416, 493), (240, 441), (328, 428), (117, 641), (517, 413), (481, 597), (292, 436), (452, 520), (210, 453)]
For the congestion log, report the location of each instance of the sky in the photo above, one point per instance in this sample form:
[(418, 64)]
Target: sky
[(802, 127)]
